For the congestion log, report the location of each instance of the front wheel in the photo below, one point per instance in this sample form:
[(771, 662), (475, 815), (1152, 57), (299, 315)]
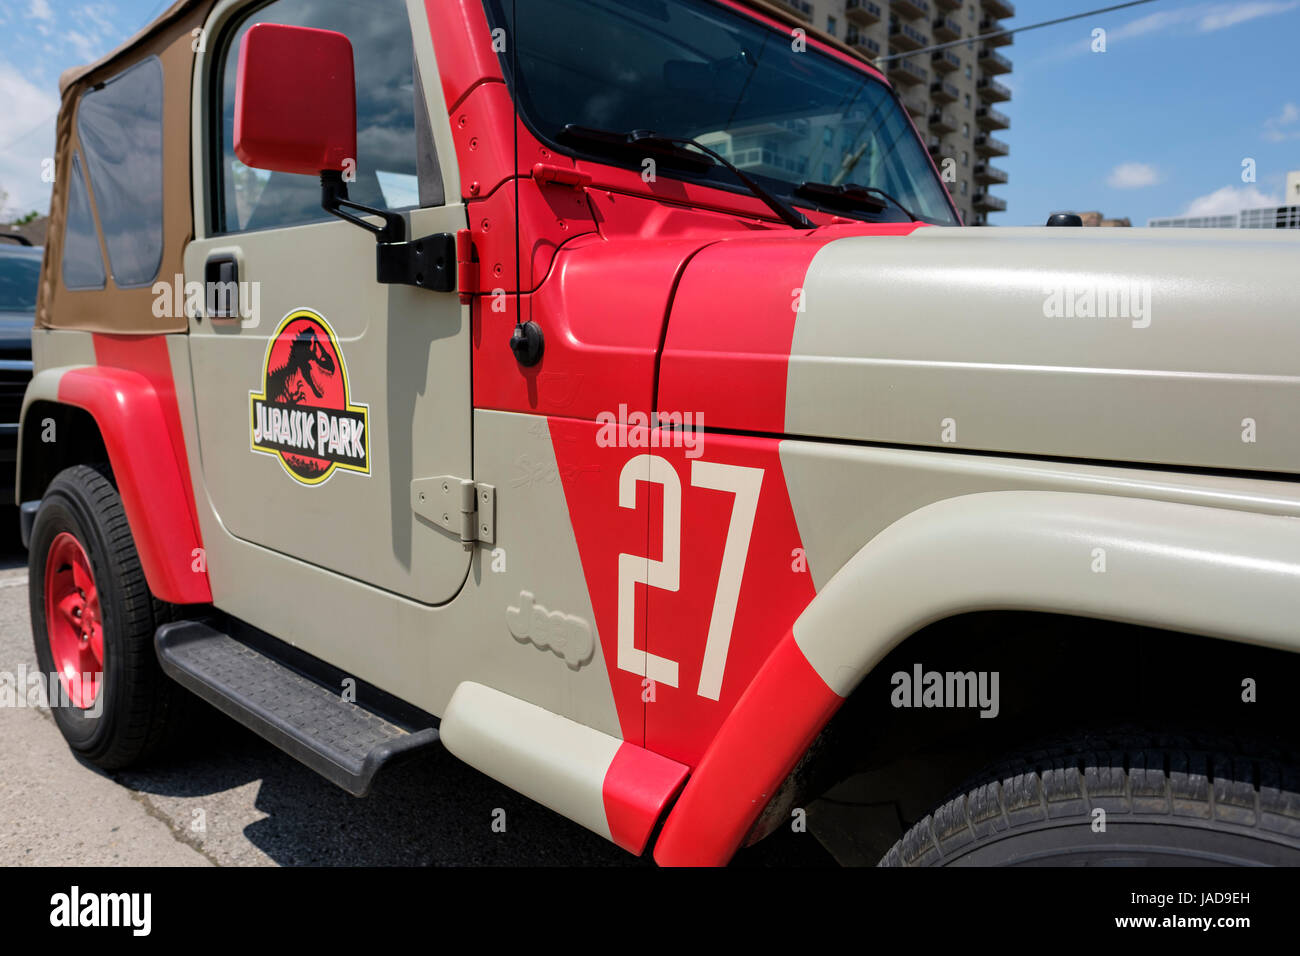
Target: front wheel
[(93, 620), (1118, 802)]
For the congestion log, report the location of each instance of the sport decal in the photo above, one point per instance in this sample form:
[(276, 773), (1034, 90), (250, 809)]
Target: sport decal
[(694, 566), (304, 414)]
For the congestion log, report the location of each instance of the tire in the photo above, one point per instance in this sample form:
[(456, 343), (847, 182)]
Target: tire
[(132, 710), (1167, 802)]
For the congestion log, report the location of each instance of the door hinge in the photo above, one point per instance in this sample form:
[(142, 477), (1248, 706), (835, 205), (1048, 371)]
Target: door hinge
[(466, 266), (426, 263), (460, 505)]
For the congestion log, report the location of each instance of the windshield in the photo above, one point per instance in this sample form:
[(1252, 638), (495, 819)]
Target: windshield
[(20, 273), (693, 68)]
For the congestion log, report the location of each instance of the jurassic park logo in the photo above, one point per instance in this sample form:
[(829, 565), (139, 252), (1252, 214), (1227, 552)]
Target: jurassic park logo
[(304, 414)]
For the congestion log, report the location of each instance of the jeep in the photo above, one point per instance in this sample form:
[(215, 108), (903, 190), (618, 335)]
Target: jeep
[(609, 393)]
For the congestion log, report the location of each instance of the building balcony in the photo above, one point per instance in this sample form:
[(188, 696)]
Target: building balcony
[(768, 162), (907, 72), (941, 122), (991, 61), (862, 12), (990, 25), (787, 129), (986, 203), (800, 8), (906, 37), (911, 9), (986, 145), (945, 61), (991, 91), (917, 105), (1000, 8), (989, 118), (861, 42), (943, 92), (946, 28), (986, 174), (947, 4), (934, 144)]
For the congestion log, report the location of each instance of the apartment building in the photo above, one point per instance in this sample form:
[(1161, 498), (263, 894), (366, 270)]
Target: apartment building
[(1285, 216), (952, 94), (1264, 217)]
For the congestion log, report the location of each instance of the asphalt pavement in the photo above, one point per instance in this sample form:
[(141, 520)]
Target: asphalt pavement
[(227, 798)]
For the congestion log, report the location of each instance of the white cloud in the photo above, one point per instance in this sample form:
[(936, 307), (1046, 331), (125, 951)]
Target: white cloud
[(1276, 127), (1133, 176), (1222, 16), (98, 14), (1151, 23), (1202, 17), (39, 10), (87, 49), (1229, 200), (26, 138)]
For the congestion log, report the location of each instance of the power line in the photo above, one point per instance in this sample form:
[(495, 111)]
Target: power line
[(1007, 33), (22, 136), (18, 139)]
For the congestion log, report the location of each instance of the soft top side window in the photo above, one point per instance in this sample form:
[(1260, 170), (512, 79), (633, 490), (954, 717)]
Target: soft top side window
[(119, 124), (390, 173), (83, 265)]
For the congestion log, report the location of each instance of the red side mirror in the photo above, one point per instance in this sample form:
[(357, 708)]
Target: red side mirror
[(295, 100)]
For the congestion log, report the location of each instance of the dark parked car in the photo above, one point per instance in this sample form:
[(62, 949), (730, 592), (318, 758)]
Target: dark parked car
[(20, 273)]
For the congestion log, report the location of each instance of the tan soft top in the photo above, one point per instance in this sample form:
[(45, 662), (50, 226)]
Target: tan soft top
[(159, 23), (113, 309)]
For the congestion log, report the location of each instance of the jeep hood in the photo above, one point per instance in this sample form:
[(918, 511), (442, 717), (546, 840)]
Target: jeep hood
[(1178, 347)]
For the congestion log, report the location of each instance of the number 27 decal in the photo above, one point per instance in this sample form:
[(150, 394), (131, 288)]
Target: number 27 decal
[(744, 483)]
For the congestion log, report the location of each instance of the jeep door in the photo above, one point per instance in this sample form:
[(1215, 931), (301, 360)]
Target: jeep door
[(328, 392)]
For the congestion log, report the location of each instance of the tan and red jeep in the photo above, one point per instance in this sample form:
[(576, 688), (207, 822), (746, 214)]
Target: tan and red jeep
[(608, 391)]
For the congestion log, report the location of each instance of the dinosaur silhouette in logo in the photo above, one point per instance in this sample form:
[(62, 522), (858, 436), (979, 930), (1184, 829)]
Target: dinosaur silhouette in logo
[(287, 384)]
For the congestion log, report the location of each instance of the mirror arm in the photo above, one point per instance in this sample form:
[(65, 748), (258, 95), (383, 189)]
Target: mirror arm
[(427, 263), (334, 200)]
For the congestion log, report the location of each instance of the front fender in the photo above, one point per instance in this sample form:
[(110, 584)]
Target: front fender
[(1208, 571), (148, 467)]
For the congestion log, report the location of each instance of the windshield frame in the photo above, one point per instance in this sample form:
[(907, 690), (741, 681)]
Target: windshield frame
[(717, 177)]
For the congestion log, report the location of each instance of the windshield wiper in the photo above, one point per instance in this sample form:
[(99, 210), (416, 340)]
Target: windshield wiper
[(852, 196), (677, 148)]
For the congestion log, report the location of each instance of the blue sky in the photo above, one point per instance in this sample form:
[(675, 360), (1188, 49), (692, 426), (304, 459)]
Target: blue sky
[(1157, 125), (1161, 122), (39, 39)]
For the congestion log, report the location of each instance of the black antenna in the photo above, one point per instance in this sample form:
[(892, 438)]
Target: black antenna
[(526, 342), (514, 71)]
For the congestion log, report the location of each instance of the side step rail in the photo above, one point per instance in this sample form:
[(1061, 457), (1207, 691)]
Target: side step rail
[(342, 741)]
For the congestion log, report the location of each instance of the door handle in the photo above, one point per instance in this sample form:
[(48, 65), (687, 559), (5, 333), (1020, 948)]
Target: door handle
[(221, 287)]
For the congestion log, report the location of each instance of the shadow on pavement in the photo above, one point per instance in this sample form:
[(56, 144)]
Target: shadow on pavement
[(12, 553), (432, 810)]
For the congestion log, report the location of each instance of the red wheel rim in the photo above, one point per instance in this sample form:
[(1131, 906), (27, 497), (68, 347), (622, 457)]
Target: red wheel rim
[(73, 620)]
